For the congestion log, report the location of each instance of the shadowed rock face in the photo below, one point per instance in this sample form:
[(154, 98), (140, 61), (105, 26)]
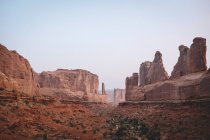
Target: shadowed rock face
[(132, 81), (73, 80), (197, 60), (143, 71), (16, 72), (191, 60), (103, 89), (182, 66), (156, 71)]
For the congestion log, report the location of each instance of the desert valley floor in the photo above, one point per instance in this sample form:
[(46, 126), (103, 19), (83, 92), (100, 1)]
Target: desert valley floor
[(24, 118)]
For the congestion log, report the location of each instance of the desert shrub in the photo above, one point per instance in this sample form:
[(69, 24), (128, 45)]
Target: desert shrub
[(130, 128)]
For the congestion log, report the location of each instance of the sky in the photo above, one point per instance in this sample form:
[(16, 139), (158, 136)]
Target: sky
[(110, 38)]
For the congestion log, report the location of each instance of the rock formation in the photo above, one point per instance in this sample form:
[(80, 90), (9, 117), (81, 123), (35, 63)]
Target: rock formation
[(74, 80), (191, 60), (143, 71), (16, 72), (182, 66), (103, 89), (66, 83), (156, 71), (189, 79), (132, 81), (197, 60)]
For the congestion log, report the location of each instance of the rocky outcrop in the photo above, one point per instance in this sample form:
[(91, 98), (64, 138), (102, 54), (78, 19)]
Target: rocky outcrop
[(68, 83), (143, 71), (16, 72), (197, 60), (74, 80), (191, 60), (192, 86), (156, 71), (182, 66), (132, 81), (189, 79), (103, 89)]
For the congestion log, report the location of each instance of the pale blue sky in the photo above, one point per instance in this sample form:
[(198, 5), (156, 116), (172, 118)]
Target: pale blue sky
[(110, 38)]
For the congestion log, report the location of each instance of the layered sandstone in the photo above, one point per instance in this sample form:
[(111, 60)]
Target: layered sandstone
[(189, 79), (197, 60), (69, 83), (157, 71), (191, 59), (182, 66), (132, 81), (143, 71), (192, 86), (16, 72)]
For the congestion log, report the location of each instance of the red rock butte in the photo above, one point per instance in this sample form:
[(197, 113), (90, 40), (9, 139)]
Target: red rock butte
[(17, 74), (189, 78)]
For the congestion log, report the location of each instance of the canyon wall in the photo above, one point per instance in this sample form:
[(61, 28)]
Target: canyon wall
[(189, 79), (69, 84), (191, 59), (16, 73)]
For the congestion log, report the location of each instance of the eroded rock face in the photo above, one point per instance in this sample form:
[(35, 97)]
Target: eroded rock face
[(16, 72), (191, 60), (143, 71), (198, 55), (156, 71), (72, 80), (132, 81), (119, 95), (182, 66), (103, 89)]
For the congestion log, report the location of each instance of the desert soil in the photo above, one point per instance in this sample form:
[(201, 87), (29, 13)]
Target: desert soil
[(25, 119)]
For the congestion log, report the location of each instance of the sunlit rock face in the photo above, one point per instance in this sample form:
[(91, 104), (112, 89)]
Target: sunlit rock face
[(16, 72), (74, 80), (69, 84)]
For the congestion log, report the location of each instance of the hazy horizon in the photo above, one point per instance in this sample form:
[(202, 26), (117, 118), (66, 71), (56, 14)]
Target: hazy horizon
[(108, 38)]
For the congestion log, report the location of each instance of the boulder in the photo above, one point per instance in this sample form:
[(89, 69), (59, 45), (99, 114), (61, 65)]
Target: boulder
[(16, 72), (157, 71)]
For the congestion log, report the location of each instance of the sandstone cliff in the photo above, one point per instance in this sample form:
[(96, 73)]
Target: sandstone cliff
[(189, 79), (16, 72), (143, 71), (191, 59), (191, 86), (72, 84), (157, 71)]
